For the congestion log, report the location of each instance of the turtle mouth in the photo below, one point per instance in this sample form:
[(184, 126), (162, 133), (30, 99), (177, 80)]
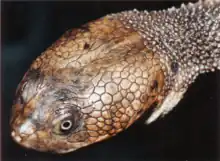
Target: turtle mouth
[(16, 137), (30, 141), (40, 142), (22, 140)]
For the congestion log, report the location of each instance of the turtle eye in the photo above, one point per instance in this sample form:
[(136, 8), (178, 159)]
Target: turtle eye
[(66, 125)]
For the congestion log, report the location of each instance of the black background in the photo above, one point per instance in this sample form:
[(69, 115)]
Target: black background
[(190, 132)]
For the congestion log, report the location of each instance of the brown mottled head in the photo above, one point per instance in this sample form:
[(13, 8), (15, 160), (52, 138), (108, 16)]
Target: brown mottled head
[(92, 83), (44, 117)]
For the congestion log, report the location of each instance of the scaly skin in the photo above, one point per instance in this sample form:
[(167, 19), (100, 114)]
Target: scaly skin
[(102, 77)]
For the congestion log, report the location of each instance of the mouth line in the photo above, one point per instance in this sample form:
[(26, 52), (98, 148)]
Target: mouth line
[(32, 142), (22, 141)]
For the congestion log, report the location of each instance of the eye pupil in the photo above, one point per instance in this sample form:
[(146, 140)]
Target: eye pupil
[(66, 125)]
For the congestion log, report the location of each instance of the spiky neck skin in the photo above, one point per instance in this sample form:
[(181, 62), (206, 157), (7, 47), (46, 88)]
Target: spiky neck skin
[(187, 39)]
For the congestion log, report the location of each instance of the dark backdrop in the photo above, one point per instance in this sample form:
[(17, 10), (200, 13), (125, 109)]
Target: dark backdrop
[(190, 132)]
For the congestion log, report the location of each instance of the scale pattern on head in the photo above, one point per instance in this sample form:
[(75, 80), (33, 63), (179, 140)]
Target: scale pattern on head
[(101, 77)]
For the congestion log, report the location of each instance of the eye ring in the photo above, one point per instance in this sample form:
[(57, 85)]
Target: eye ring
[(66, 125)]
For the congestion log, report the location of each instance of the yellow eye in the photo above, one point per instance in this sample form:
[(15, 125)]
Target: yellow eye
[(63, 127)]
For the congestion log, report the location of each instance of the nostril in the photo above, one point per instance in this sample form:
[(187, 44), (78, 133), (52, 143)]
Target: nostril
[(13, 133), (16, 137)]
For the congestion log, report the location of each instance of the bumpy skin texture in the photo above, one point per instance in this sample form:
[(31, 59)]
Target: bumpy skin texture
[(97, 80)]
